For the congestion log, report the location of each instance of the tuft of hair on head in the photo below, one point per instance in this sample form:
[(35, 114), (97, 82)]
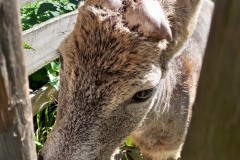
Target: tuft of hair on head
[(142, 16)]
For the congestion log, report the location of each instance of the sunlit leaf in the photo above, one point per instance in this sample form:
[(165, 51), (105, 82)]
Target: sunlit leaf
[(128, 142), (27, 46)]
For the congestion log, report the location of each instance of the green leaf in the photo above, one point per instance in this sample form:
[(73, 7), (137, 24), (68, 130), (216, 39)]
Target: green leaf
[(54, 13), (134, 154), (69, 7), (38, 143), (74, 1), (128, 142), (55, 84), (55, 66), (46, 7), (27, 46)]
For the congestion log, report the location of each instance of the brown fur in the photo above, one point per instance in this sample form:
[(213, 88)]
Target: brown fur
[(105, 62)]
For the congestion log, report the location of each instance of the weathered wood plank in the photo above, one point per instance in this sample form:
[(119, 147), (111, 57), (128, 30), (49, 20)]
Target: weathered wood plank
[(215, 127), (45, 38), (24, 2), (16, 127), (42, 97)]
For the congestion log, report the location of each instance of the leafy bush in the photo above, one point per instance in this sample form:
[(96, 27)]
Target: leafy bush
[(41, 11), (43, 124), (31, 15), (37, 13), (48, 74)]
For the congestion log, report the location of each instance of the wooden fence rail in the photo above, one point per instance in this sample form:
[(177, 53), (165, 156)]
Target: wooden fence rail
[(45, 39), (16, 129), (24, 2)]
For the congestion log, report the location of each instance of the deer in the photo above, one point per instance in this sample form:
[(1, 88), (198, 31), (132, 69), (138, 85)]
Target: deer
[(129, 68)]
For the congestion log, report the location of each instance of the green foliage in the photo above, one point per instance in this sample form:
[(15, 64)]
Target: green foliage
[(47, 74), (36, 13), (128, 142), (129, 151), (53, 73), (31, 15), (27, 46), (43, 124), (38, 79), (45, 119), (41, 11)]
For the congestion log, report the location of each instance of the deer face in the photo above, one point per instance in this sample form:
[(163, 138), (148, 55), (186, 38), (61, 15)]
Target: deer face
[(112, 65)]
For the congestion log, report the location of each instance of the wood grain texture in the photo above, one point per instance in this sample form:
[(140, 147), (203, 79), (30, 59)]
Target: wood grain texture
[(16, 128), (24, 2), (214, 130), (45, 39), (43, 96)]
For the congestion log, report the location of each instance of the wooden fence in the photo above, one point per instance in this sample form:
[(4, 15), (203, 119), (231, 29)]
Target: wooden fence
[(214, 133), (16, 128), (15, 116), (45, 39)]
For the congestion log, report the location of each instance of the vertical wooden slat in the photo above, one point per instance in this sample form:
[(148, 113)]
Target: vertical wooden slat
[(214, 132), (16, 128)]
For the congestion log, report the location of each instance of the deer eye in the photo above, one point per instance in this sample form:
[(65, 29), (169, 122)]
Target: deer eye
[(142, 95)]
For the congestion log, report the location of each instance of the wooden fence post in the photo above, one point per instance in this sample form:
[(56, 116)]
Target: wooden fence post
[(214, 132), (16, 127)]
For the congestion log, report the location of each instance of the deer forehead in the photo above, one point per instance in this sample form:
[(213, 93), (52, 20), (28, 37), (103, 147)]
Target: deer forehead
[(145, 16), (101, 43)]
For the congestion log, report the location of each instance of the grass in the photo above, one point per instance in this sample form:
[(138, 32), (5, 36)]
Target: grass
[(36, 13), (33, 14), (43, 124)]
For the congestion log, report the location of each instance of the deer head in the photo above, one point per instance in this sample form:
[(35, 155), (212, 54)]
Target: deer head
[(112, 65)]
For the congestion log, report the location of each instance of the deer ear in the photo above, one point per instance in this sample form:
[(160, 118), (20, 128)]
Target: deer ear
[(149, 18)]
